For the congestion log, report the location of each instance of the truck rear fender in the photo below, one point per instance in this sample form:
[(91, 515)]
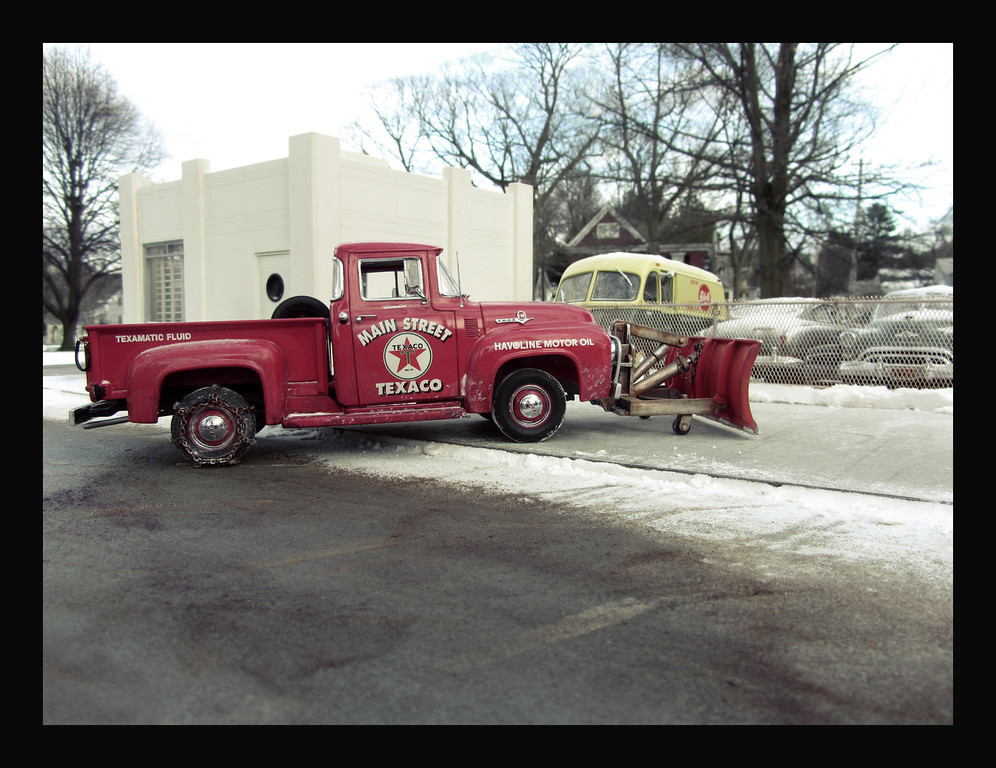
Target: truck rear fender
[(152, 367)]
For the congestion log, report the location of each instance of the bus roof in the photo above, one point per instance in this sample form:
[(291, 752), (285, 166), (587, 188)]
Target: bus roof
[(641, 262)]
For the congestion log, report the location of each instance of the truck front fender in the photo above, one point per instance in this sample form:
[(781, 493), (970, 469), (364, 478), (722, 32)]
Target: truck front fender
[(581, 355), (151, 367)]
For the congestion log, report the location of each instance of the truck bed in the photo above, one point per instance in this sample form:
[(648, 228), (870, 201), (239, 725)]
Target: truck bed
[(161, 353)]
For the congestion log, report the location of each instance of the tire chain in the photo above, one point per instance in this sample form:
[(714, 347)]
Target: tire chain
[(215, 400)]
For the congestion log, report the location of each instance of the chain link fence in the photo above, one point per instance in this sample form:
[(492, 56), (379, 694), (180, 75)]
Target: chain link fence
[(901, 341)]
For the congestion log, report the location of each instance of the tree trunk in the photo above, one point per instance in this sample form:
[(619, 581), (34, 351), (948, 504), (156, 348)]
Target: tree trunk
[(68, 336), (771, 244)]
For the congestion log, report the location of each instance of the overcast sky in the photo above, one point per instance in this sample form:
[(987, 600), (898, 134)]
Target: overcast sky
[(236, 104)]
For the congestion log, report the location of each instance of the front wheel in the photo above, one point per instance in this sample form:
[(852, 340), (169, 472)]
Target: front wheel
[(213, 425), (529, 405)]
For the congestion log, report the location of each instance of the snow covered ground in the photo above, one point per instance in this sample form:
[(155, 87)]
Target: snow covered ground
[(906, 538)]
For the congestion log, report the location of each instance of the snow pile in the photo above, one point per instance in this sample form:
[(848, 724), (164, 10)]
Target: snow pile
[(847, 396)]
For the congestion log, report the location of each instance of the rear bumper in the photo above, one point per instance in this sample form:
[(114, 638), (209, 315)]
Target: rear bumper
[(900, 366), (777, 363), (97, 410), (896, 373)]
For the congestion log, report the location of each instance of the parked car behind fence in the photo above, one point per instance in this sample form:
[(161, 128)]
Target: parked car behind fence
[(909, 341), (800, 338), (828, 341)]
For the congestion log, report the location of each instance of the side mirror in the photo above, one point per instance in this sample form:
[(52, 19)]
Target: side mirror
[(413, 279)]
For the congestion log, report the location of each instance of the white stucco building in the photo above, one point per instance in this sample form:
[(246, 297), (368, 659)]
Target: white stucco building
[(231, 245)]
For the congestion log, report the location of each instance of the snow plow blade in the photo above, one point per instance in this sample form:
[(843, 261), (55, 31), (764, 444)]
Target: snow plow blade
[(661, 373)]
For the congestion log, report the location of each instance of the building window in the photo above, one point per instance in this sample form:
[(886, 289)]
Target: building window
[(274, 287), (164, 268), (607, 231)]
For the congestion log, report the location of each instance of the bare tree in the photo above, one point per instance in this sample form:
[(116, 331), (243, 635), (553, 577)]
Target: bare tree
[(523, 119), (397, 133), (570, 206), (803, 127), (762, 139), (518, 123), (514, 120), (90, 136), (656, 137)]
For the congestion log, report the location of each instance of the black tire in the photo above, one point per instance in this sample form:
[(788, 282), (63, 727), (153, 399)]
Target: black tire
[(529, 406), (213, 425), (300, 306)]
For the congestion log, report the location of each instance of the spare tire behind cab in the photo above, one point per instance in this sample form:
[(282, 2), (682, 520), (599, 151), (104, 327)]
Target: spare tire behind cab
[(300, 306)]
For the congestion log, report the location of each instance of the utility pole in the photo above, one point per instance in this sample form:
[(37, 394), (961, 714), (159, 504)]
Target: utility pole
[(852, 277)]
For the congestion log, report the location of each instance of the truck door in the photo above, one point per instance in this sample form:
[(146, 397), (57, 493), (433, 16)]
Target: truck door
[(404, 349)]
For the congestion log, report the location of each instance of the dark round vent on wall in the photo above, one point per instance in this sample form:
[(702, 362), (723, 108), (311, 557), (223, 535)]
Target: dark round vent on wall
[(274, 287)]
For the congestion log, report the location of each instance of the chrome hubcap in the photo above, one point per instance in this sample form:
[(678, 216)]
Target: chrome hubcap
[(531, 406), (213, 430)]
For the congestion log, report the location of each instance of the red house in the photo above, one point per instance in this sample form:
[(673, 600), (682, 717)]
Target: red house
[(607, 231)]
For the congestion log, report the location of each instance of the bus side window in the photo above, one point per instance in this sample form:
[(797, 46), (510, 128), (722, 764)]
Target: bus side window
[(666, 292), (651, 290)]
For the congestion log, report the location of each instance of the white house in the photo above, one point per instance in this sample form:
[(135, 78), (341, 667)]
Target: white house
[(231, 245)]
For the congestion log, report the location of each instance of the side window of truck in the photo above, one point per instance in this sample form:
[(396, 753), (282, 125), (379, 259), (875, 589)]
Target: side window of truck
[(385, 279)]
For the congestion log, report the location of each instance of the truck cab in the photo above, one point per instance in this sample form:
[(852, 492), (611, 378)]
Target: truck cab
[(397, 326)]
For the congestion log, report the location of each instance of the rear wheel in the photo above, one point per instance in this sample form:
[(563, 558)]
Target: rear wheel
[(529, 405), (213, 425)]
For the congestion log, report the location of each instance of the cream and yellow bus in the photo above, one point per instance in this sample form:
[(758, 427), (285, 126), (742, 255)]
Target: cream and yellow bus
[(646, 289)]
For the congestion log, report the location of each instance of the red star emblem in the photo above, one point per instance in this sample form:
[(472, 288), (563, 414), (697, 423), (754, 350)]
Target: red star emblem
[(408, 357)]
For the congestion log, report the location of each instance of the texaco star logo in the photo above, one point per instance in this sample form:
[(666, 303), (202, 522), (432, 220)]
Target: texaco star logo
[(407, 355)]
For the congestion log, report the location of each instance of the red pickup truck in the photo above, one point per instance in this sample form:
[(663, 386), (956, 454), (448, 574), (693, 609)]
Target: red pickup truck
[(399, 342)]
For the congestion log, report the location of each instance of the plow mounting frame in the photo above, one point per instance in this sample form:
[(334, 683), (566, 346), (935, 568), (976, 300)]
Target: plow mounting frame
[(662, 373)]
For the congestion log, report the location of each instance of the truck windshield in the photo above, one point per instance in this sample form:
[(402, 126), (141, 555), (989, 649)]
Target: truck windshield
[(447, 285), (574, 288), (615, 286)]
